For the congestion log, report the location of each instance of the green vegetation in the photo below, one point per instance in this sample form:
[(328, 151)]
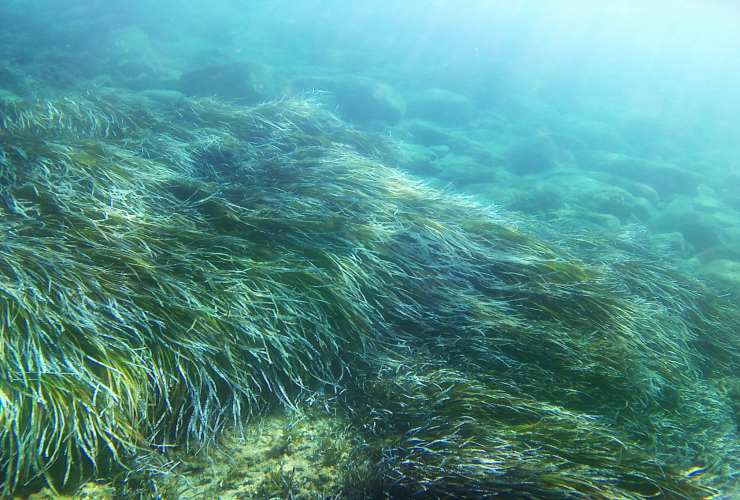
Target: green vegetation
[(167, 271)]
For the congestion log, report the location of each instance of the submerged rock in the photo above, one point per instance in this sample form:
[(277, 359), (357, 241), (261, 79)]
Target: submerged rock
[(441, 106), (8, 97), (367, 100), (14, 82), (620, 203), (666, 178), (427, 134), (441, 139), (358, 99), (541, 199), (699, 229), (237, 81), (533, 155), (463, 170), (729, 190), (171, 97), (419, 159), (725, 271)]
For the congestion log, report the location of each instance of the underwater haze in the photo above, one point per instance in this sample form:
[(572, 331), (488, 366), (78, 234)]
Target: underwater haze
[(369, 249)]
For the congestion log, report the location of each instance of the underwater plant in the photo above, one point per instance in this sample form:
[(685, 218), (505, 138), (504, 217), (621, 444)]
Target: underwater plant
[(168, 271)]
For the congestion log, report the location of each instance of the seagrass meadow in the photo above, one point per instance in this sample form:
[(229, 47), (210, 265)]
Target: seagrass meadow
[(174, 273)]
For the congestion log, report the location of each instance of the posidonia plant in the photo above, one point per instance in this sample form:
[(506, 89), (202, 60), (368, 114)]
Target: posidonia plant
[(167, 271)]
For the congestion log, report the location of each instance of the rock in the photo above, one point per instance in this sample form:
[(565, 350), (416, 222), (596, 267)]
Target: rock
[(237, 81), (87, 491), (8, 97), (440, 150), (638, 189), (726, 271), (441, 106), (533, 155), (604, 222), (619, 203), (706, 200), (670, 243), (729, 249), (418, 159), (541, 199), (587, 221), (729, 189), (584, 134), (666, 178), (585, 194), (366, 100), (436, 137), (13, 81), (358, 99), (462, 170), (138, 64), (163, 96), (427, 134), (699, 229)]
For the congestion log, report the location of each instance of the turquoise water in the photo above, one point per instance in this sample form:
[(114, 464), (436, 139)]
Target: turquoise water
[(630, 110), (608, 132)]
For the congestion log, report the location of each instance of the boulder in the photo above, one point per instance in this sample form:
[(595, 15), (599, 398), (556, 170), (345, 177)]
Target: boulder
[(13, 81), (463, 170), (541, 199), (619, 203), (367, 100), (699, 229), (427, 134), (533, 155), (418, 159), (441, 106), (706, 200), (666, 178), (235, 81), (725, 271), (670, 244), (432, 135), (358, 99), (729, 189), (163, 96), (7, 97)]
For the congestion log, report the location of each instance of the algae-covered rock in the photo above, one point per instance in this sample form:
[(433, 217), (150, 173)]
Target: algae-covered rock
[(463, 170), (172, 97), (620, 203), (434, 136), (441, 106), (361, 100), (88, 491), (540, 199), (13, 81), (533, 155), (366, 100), (729, 188), (700, 229), (291, 455), (666, 178), (419, 159), (707, 200), (673, 243), (427, 134), (8, 97), (239, 81), (725, 271)]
